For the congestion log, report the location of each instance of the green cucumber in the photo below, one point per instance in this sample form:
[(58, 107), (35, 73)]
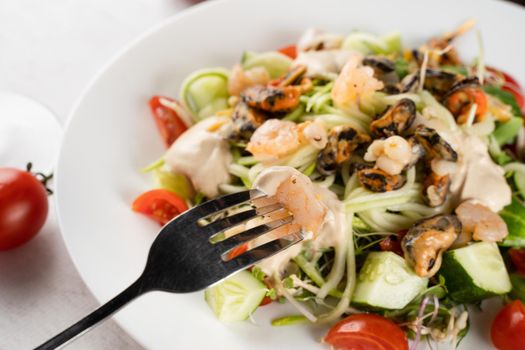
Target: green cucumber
[(205, 92), (514, 216), (367, 43), (236, 298), (275, 63), (387, 282), (392, 42), (174, 182), (475, 272)]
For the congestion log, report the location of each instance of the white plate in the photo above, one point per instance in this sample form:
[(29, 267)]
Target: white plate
[(110, 136)]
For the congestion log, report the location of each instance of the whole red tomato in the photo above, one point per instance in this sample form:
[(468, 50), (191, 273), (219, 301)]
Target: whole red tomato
[(508, 327), (23, 207)]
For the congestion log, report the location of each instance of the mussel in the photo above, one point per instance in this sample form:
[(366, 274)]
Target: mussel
[(426, 240)]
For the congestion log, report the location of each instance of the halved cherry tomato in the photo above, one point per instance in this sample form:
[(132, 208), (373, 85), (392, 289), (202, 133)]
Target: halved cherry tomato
[(266, 301), (290, 51), (159, 205), (392, 243), (517, 256), (170, 125), (23, 207), (366, 331), (508, 327)]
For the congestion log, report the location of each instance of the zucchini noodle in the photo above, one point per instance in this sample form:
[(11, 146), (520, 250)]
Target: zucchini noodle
[(439, 110), (228, 189), (302, 157), (342, 305), (333, 120), (327, 182)]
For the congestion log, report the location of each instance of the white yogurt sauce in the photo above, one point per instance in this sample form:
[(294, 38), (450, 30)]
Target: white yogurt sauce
[(314, 39), (474, 176), (325, 62), (202, 155)]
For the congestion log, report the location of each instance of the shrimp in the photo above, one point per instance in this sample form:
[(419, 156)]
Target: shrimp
[(241, 79), (484, 224), (391, 155), (296, 192), (276, 139), (354, 83)]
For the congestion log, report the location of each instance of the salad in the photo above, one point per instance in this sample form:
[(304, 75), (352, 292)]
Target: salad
[(403, 170)]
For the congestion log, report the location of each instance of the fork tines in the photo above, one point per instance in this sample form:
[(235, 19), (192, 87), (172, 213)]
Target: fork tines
[(247, 246)]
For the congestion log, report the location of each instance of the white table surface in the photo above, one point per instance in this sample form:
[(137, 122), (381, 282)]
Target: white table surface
[(49, 50)]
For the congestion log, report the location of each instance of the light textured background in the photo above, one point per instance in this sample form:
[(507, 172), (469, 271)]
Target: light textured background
[(49, 50)]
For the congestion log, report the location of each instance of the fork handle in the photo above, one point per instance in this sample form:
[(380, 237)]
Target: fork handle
[(88, 322)]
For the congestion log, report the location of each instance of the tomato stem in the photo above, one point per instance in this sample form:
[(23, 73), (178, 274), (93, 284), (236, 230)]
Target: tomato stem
[(43, 178)]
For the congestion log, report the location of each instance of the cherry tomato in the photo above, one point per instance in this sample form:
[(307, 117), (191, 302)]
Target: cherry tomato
[(290, 51), (23, 207), (508, 327), (169, 123), (366, 331), (266, 301), (159, 205), (517, 256)]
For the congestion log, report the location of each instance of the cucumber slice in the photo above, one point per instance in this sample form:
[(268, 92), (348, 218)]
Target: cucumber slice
[(236, 298), (387, 282), (392, 42), (475, 272), (174, 182), (275, 63), (367, 43), (205, 92)]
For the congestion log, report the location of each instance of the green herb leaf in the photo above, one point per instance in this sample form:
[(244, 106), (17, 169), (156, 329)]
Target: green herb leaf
[(505, 97), (272, 294), (518, 287), (401, 67), (288, 282), (258, 273), (506, 132), (514, 216)]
